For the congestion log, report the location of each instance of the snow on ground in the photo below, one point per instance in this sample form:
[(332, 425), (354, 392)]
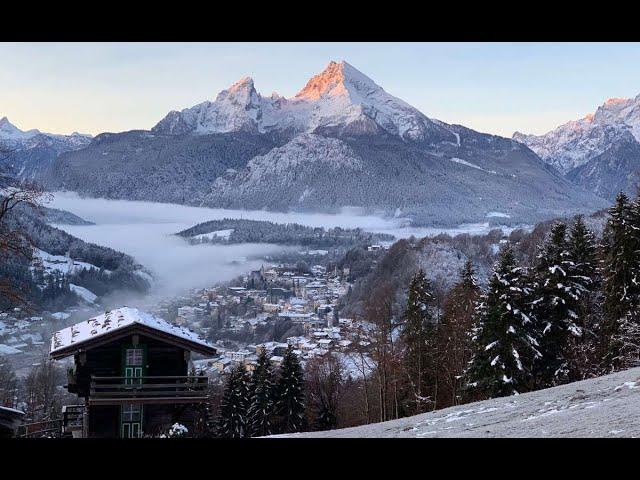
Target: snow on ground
[(472, 165), (216, 234), (61, 263), (498, 215), (8, 350), (314, 252), (86, 295), (607, 406)]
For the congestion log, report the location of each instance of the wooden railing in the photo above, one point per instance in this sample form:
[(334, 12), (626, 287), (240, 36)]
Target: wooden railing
[(44, 429), (148, 387)]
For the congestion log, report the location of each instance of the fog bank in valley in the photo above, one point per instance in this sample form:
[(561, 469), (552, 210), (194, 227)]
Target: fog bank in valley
[(144, 231)]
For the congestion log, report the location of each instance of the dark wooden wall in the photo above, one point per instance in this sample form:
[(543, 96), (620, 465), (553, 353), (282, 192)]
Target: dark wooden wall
[(106, 361), (162, 359)]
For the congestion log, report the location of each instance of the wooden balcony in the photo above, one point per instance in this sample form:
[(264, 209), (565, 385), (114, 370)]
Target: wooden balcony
[(148, 390)]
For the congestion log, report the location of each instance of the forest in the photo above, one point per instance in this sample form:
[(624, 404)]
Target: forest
[(258, 231)]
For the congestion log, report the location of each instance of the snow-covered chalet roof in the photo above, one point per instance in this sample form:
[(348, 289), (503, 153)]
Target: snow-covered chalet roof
[(69, 339)]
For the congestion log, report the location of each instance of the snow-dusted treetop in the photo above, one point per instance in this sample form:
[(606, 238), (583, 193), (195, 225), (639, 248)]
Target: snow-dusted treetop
[(576, 142), (340, 98), (65, 341)]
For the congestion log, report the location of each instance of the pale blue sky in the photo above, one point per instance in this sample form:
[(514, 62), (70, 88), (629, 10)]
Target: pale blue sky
[(491, 87)]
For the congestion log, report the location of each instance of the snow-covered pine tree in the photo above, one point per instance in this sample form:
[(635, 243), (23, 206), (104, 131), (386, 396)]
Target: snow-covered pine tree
[(418, 326), (626, 339), (232, 422), (261, 394), (583, 275), (453, 334), (289, 398), (620, 278), (503, 336), (555, 304)]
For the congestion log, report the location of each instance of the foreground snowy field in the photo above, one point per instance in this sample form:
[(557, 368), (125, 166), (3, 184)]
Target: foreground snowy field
[(607, 406)]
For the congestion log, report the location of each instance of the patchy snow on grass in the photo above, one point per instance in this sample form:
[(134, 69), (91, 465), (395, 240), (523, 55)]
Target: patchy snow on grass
[(600, 407)]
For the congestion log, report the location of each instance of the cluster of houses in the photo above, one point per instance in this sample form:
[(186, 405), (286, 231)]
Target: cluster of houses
[(273, 294), (319, 342), (133, 370)]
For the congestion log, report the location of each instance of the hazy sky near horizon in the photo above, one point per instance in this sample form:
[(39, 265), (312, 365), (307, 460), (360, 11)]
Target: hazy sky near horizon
[(491, 87)]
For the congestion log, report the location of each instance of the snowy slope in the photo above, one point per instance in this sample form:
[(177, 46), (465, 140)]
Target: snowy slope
[(575, 143), (340, 97), (87, 295), (606, 406), (61, 263)]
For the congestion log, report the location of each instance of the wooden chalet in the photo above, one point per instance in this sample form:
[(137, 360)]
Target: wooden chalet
[(131, 369)]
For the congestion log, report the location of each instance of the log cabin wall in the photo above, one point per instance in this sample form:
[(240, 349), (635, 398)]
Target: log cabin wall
[(162, 359)]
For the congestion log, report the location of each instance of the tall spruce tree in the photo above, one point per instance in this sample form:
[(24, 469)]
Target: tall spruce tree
[(503, 335), (261, 408), (625, 342), (289, 400), (232, 422), (453, 334), (583, 274), (555, 306), (415, 335), (619, 258)]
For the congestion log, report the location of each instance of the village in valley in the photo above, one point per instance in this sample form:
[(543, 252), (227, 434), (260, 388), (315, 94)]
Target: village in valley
[(268, 303), (239, 318)]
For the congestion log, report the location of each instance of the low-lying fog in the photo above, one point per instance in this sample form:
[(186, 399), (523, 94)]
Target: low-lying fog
[(143, 230)]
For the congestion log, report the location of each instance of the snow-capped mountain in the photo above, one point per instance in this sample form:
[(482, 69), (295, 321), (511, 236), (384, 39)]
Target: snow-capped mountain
[(576, 144), (340, 99), (340, 141), (11, 137), (28, 153)]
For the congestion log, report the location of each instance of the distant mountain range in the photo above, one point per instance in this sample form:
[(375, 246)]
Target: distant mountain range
[(342, 141), (600, 152), (29, 154)]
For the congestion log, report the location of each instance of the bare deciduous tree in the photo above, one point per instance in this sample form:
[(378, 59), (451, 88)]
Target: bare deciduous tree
[(15, 243)]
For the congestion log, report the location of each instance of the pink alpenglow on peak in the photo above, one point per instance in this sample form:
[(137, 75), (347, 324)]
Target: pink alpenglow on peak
[(615, 101), (330, 82), (340, 99), (574, 143)]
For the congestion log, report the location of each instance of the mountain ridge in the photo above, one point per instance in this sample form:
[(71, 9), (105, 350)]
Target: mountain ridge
[(575, 147), (341, 141)]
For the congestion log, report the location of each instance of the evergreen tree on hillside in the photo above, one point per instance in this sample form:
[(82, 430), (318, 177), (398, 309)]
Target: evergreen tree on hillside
[(289, 401), (620, 278), (555, 306), (454, 339), (625, 341), (583, 274), (503, 336), (418, 327), (233, 408), (261, 398)]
